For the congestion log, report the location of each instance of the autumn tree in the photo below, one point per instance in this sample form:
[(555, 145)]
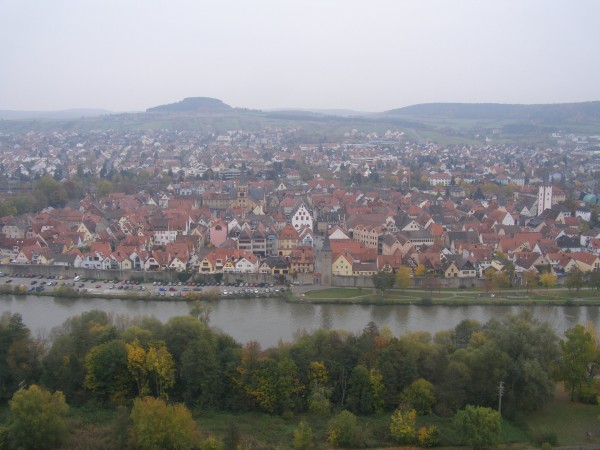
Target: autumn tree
[(403, 277), (402, 426), (37, 419), (530, 278), (319, 392), (150, 368), (420, 270), (156, 425), (548, 280)]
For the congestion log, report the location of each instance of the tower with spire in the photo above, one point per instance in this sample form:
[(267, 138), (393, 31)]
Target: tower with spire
[(326, 260)]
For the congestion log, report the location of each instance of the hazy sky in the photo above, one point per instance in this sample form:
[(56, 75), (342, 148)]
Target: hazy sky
[(370, 55)]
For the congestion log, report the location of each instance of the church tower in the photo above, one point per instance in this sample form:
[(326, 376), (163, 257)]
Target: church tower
[(326, 261)]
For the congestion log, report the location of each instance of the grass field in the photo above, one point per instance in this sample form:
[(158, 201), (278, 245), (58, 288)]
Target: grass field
[(454, 296)]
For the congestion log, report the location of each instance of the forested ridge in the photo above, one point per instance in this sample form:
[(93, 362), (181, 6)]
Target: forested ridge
[(146, 372)]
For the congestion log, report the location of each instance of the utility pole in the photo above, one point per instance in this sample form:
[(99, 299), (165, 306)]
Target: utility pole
[(500, 394)]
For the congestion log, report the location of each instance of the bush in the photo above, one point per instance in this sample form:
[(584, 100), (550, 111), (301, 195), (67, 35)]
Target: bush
[(402, 427), (545, 437), (426, 301), (303, 437), (342, 430), (587, 394), (65, 291), (428, 436)]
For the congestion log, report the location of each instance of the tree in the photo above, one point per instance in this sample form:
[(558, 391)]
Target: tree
[(103, 188), (37, 419), (595, 280), (403, 277), (478, 427), (303, 437), (574, 279), (107, 371), (578, 354), (51, 193), (383, 281), (525, 353), (530, 278), (156, 425), (419, 396), (19, 355), (548, 280), (402, 426), (319, 392), (420, 270), (365, 391), (342, 430)]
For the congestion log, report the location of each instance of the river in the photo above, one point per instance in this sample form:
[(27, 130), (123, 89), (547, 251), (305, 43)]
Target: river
[(270, 320)]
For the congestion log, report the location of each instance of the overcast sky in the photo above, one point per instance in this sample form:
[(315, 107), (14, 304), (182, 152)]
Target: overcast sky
[(371, 55)]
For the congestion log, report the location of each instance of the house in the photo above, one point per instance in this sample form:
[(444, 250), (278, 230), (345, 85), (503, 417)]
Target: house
[(342, 264), (585, 262), (288, 239), (302, 217), (458, 267)]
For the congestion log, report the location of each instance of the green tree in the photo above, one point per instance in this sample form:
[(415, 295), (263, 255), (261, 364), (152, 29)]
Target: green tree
[(594, 280), (365, 391), (403, 277), (51, 192), (574, 279), (342, 430), (303, 437), (103, 188), (478, 427), (37, 419), (419, 396), (402, 426), (19, 355), (383, 281), (526, 354), (107, 373), (578, 354), (156, 425)]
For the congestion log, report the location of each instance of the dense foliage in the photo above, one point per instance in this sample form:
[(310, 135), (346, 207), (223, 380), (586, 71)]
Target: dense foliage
[(115, 361)]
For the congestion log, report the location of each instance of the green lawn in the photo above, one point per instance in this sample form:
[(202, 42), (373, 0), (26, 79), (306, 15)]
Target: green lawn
[(454, 296), (570, 421)]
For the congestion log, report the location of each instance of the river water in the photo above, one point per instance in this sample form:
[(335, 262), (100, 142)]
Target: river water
[(270, 320)]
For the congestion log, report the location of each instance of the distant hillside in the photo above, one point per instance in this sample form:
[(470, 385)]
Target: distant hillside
[(551, 113), (66, 114), (193, 104)]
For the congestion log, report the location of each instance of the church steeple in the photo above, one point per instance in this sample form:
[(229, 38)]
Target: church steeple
[(326, 260)]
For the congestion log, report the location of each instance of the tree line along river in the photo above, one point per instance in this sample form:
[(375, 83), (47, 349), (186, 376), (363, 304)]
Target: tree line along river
[(269, 320)]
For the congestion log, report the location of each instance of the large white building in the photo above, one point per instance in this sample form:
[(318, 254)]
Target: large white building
[(544, 198), (302, 217)]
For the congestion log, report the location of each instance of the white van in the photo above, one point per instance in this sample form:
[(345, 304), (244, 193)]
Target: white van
[(77, 278)]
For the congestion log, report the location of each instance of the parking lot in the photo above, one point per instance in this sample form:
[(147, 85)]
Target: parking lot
[(40, 283)]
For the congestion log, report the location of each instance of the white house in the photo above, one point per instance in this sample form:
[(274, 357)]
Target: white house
[(302, 217)]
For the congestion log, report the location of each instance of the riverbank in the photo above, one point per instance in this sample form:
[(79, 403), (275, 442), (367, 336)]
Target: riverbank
[(449, 297)]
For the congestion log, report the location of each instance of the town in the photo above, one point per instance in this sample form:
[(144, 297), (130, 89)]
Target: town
[(327, 213)]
